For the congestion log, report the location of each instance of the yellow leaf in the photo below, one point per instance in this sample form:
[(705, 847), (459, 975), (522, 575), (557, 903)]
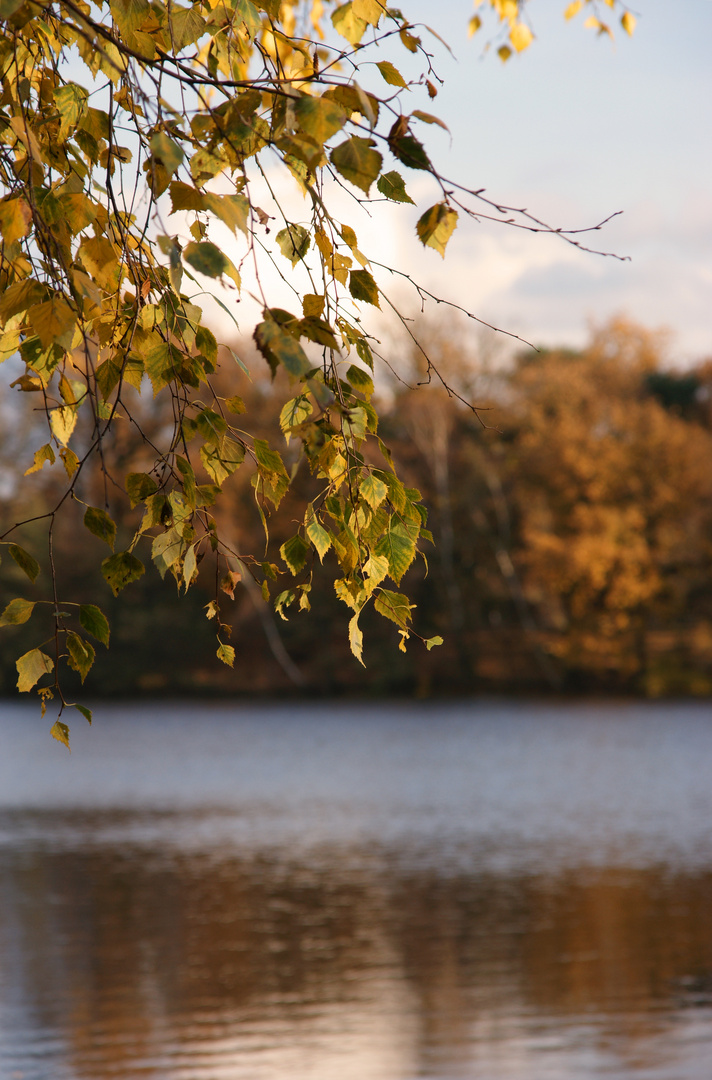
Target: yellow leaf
[(628, 22), (368, 10), (504, 52), (473, 25), (45, 453), (63, 422), (31, 667), (53, 321), (356, 639), (521, 37), (15, 219), (573, 9)]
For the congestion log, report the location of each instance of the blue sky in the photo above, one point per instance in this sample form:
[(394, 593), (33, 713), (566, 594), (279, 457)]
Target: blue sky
[(576, 128)]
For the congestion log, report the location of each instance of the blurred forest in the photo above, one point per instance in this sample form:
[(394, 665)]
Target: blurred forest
[(572, 518)]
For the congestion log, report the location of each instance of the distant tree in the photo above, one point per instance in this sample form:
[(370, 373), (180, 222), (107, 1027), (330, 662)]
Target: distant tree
[(613, 500), (128, 129)]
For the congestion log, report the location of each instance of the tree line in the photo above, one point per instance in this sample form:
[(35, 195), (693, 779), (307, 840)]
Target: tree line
[(571, 519)]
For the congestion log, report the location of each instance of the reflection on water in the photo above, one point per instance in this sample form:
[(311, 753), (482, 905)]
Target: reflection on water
[(192, 943)]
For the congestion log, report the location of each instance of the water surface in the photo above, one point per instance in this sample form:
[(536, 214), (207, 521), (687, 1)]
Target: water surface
[(481, 891)]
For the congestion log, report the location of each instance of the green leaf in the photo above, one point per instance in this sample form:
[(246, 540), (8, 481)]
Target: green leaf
[(31, 667), (86, 713), (391, 74), (373, 490), (363, 287), (436, 226), (360, 380), (206, 258), (432, 642), (71, 101), (376, 568), (319, 537), (294, 552), (394, 606), (95, 622), (294, 413), (166, 550), (357, 161), (354, 423), (81, 654), (293, 242), (17, 611), (398, 546), (392, 185), (60, 732), (279, 347), (267, 459), (356, 638), (25, 561), (120, 569), (190, 566), (139, 486), (187, 26), (411, 152), (226, 653), (98, 522), (319, 118), (168, 152)]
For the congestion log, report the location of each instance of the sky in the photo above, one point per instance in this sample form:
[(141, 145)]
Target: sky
[(575, 128)]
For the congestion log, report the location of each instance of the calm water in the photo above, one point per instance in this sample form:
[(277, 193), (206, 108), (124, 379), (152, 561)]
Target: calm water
[(370, 892)]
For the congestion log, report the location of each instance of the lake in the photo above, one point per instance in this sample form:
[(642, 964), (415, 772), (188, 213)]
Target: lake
[(484, 890)]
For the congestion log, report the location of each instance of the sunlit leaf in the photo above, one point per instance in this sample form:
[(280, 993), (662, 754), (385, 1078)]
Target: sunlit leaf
[(294, 552), (63, 421), (356, 639), (436, 226), (390, 73), (373, 490), (45, 453), (319, 117), (394, 606), (60, 732), (17, 611), (521, 37), (318, 535), (226, 653), (31, 667), (628, 21), (348, 24)]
